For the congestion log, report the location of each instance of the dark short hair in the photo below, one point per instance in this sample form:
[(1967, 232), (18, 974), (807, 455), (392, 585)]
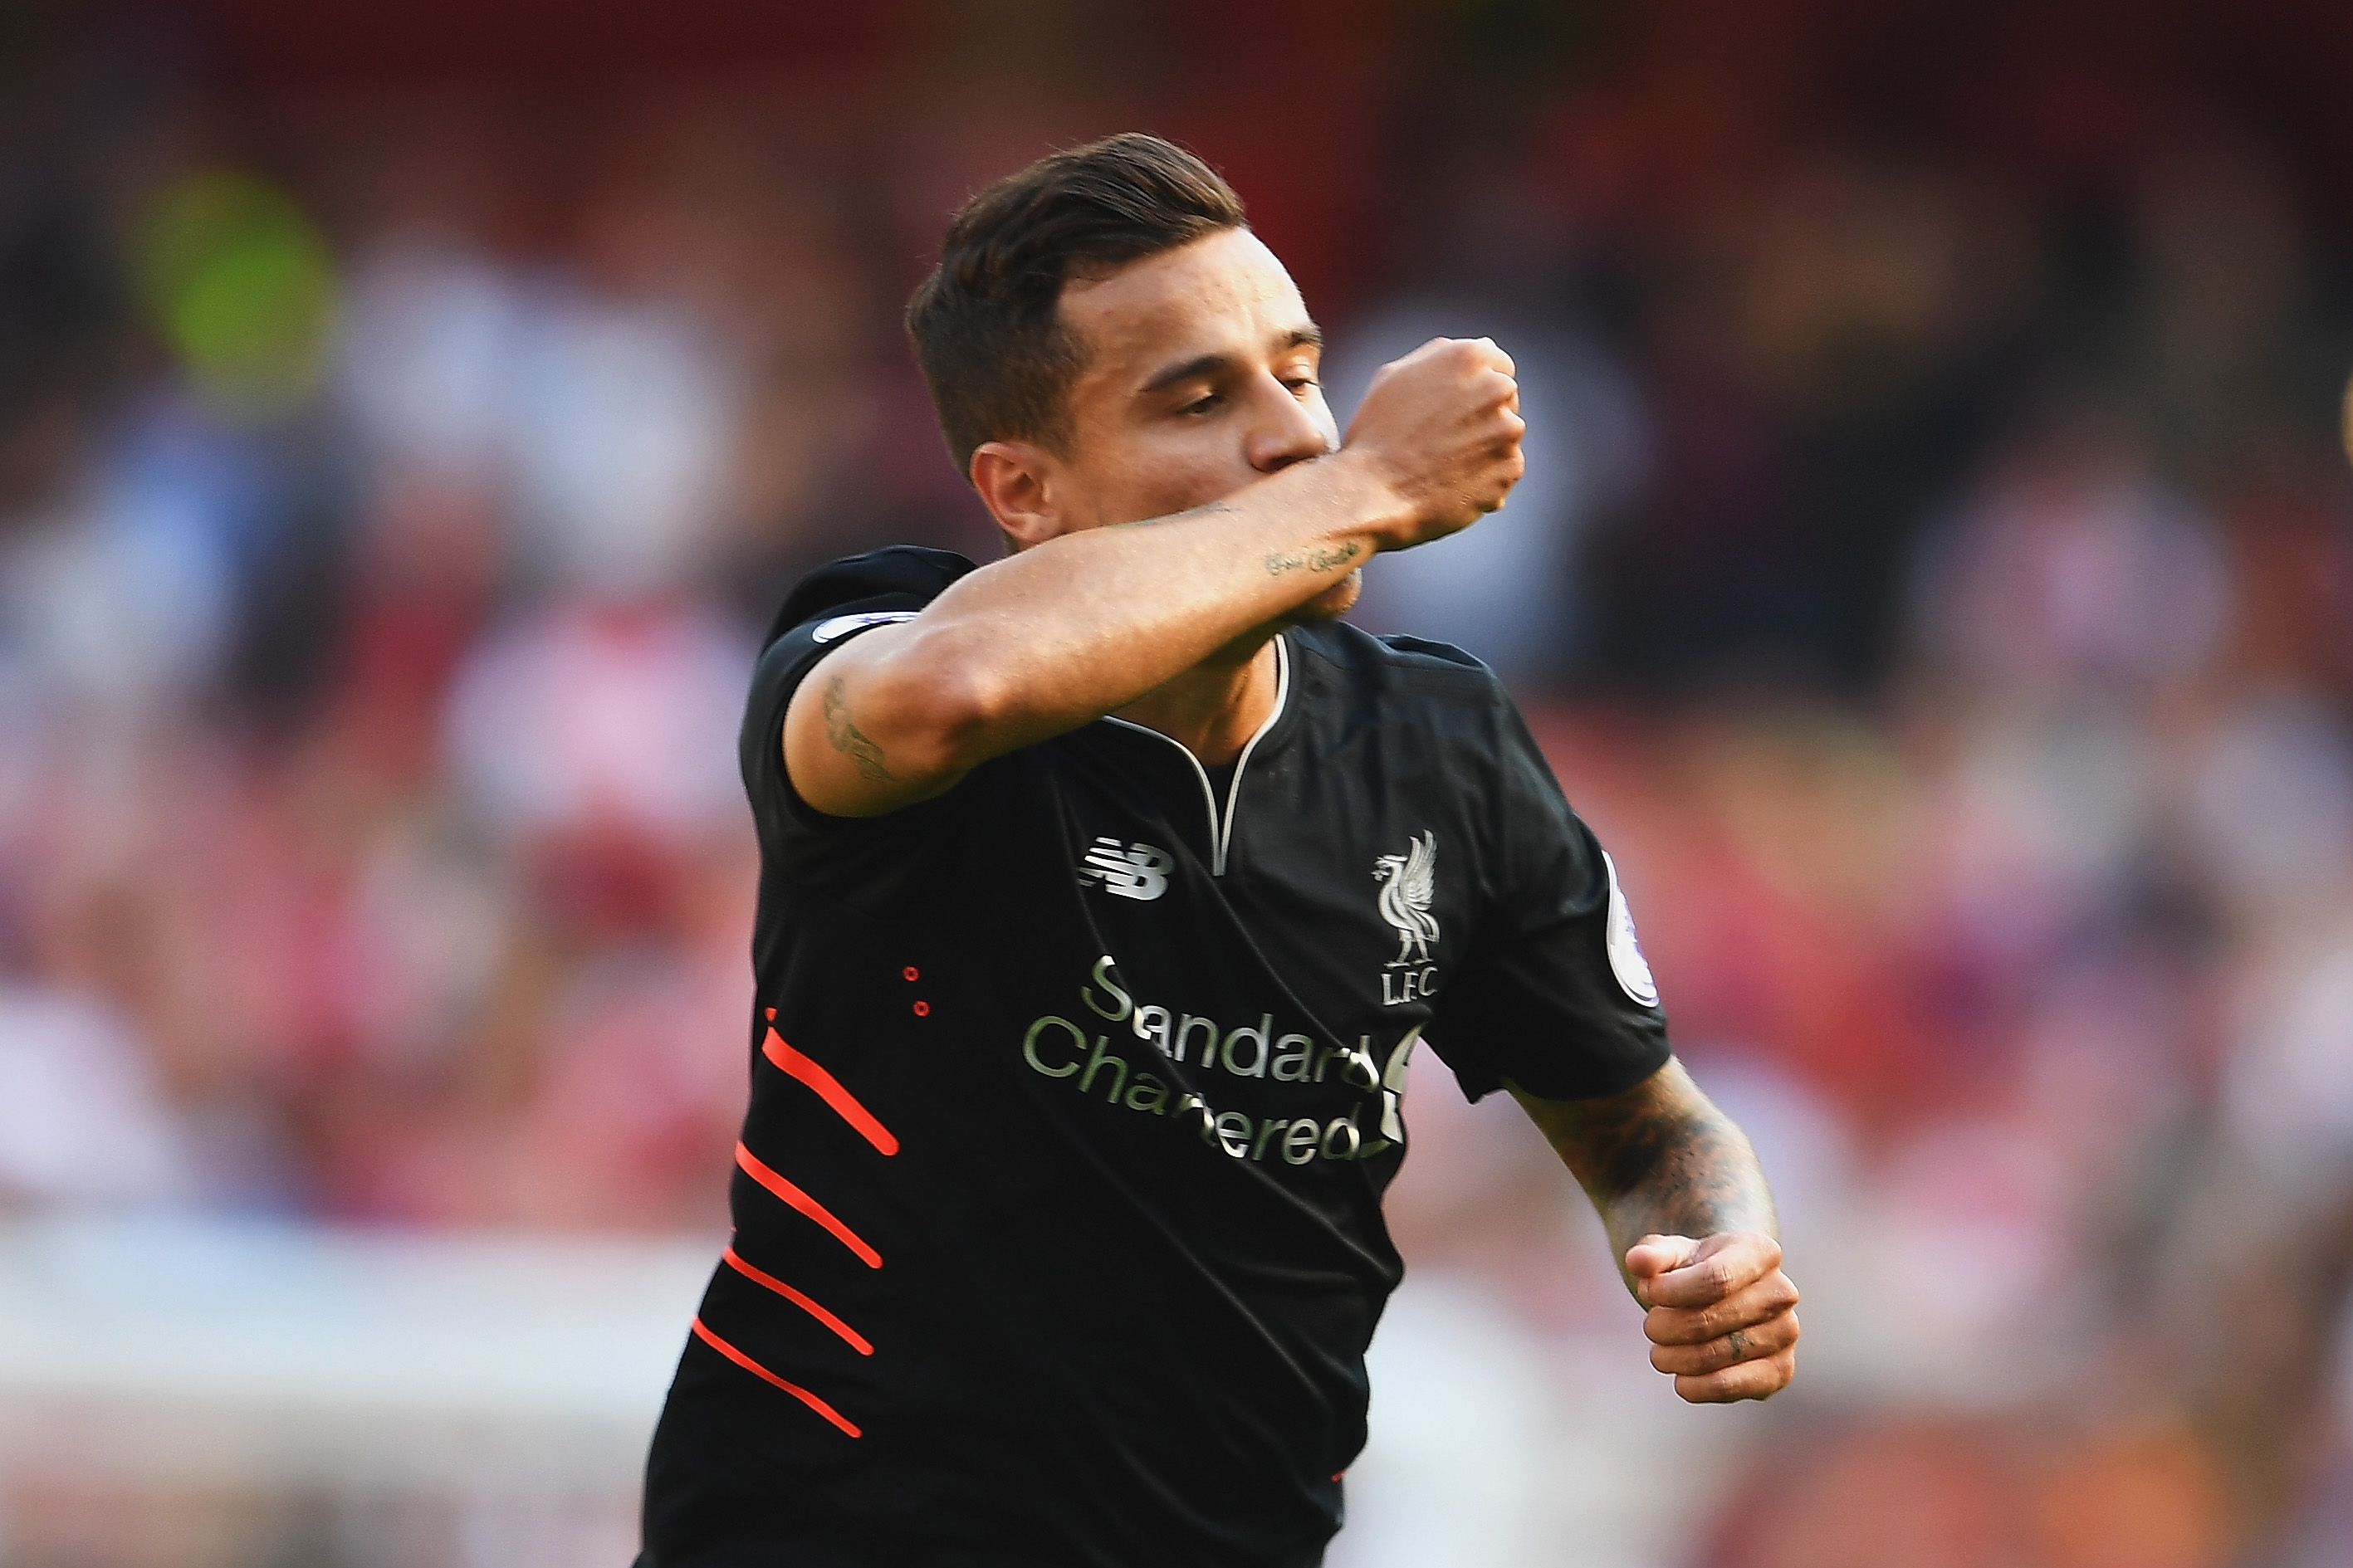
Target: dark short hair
[(985, 322)]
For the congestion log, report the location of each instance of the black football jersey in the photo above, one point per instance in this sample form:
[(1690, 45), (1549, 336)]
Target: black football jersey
[(1074, 1093)]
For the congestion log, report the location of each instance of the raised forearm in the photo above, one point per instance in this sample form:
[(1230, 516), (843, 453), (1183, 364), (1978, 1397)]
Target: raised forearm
[(1069, 630), (1083, 624), (1087, 622)]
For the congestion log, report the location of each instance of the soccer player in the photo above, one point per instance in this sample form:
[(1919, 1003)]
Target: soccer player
[(1105, 891)]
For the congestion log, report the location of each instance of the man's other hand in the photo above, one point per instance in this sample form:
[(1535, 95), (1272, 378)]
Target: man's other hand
[(1722, 1317)]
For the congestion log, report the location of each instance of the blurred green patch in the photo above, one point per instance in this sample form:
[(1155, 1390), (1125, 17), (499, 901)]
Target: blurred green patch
[(242, 284)]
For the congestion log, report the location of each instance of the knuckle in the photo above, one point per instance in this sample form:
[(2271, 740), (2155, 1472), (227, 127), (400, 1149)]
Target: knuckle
[(1670, 1327), (1736, 1315)]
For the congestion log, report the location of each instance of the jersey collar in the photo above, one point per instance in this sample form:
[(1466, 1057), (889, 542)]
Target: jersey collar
[(1221, 822)]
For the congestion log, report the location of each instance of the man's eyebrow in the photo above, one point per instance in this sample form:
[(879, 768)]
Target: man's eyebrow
[(1206, 365), (1308, 336)]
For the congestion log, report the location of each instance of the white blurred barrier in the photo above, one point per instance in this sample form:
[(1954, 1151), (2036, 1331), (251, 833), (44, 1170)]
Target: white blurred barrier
[(519, 1376), (425, 1326), (147, 1355), (1493, 1446)]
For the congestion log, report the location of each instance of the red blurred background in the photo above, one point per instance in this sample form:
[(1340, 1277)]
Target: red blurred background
[(1934, 580)]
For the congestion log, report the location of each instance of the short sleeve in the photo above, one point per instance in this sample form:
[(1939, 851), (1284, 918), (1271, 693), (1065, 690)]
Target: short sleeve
[(828, 608), (1556, 996)]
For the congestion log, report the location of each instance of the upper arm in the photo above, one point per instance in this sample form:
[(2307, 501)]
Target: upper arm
[(870, 728)]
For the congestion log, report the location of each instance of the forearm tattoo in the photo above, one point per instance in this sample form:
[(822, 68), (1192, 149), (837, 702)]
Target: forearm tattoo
[(1681, 1173), (1320, 558), (1660, 1160), (848, 739)]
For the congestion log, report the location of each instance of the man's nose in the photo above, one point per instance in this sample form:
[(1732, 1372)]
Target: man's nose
[(1284, 431)]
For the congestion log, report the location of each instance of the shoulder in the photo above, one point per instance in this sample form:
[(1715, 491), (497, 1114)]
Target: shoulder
[(833, 602), (1400, 680), (824, 609), (901, 577), (839, 600), (1434, 707), (1404, 661)]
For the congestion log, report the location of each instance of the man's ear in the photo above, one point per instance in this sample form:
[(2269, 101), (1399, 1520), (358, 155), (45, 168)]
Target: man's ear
[(1017, 482)]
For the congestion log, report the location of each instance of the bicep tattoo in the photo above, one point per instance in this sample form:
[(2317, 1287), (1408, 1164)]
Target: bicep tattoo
[(848, 739)]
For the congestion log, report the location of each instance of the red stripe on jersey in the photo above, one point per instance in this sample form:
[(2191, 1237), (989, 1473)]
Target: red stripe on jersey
[(806, 1205), (829, 1090), (857, 1341), (757, 1370)]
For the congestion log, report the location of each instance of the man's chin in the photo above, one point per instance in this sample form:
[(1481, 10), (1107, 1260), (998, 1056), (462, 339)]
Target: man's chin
[(1331, 603)]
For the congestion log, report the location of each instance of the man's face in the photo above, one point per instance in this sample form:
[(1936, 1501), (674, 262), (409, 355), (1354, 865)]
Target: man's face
[(1202, 375)]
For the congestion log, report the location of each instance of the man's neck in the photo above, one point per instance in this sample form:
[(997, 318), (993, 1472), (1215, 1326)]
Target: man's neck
[(1213, 709)]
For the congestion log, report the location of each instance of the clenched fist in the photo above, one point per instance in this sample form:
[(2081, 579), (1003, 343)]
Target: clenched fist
[(1441, 427), (1722, 1317)]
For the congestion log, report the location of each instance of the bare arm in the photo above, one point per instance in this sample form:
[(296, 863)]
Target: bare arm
[(1692, 1223), (1658, 1160), (1081, 625)]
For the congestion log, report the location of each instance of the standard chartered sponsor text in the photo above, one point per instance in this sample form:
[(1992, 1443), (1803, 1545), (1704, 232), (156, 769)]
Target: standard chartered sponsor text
[(1058, 1047)]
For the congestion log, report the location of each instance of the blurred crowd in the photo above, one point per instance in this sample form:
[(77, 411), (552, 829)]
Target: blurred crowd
[(1934, 580)]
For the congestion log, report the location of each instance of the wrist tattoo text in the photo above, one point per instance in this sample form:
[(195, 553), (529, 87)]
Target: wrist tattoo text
[(1321, 558)]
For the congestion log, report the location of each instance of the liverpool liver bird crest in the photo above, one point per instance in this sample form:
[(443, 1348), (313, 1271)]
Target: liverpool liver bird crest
[(1407, 882)]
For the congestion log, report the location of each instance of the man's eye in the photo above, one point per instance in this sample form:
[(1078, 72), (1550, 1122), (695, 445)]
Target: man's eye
[(1202, 405), (1301, 383)]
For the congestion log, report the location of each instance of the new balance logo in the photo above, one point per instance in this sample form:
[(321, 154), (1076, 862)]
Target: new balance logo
[(1137, 871)]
